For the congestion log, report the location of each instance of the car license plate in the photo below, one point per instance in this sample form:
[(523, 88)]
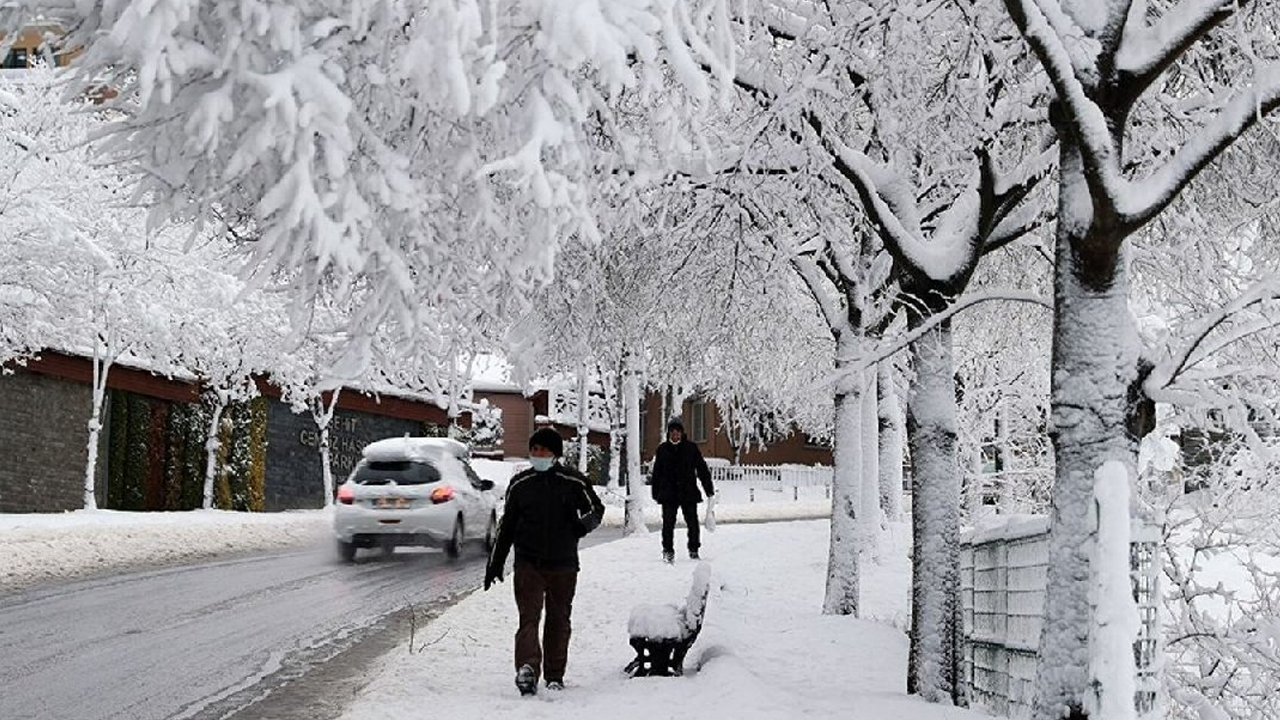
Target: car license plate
[(391, 503)]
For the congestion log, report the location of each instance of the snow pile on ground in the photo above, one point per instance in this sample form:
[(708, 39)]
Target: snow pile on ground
[(765, 652), (37, 548)]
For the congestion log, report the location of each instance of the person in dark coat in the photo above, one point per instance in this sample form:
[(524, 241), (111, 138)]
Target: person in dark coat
[(548, 508), (678, 467)]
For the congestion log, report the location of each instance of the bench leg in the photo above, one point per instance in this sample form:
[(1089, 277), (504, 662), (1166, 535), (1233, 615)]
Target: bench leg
[(663, 658)]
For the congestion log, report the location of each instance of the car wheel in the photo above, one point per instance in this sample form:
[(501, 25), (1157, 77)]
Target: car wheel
[(491, 533), (453, 548), (347, 551)]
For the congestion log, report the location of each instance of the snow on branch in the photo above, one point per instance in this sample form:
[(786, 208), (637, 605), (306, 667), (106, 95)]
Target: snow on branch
[(807, 268), (1197, 348), (1083, 114), (1147, 50), (890, 346), (1143, 200)]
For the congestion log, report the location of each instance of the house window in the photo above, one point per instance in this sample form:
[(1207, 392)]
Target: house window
[(811, 441), (698, 425), (17, 58)]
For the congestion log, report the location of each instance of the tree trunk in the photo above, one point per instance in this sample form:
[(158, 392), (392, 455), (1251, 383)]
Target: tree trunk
[(102, 363), (935, 509), (844, 559), (869, 481), (1095, 360), (583, 428), (890, 442), (322, 413), (634, 520), (211, 450)]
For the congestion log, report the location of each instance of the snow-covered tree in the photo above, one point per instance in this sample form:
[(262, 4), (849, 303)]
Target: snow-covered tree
[(88, 274), (409, 154), (230, 340), (1121, 69), (884, 216)]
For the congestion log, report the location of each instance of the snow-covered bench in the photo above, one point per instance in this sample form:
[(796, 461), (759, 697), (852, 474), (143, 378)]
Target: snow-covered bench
[(662, 634)]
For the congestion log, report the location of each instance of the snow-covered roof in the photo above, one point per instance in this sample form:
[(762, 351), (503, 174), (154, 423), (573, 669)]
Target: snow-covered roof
[(413, 448), (492, 373)]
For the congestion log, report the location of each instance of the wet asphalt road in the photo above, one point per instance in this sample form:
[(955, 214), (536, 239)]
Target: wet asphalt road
[(279, 636)]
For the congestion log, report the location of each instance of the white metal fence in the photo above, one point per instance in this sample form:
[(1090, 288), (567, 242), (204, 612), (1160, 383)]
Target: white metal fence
[(1002, 597), (785, 480)]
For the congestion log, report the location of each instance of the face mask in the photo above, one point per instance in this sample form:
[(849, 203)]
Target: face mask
[(541, 464)]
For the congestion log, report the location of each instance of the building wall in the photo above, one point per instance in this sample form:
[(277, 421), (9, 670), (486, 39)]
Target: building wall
[(42, 444), (517, 419), (791, 449), (294, 475)]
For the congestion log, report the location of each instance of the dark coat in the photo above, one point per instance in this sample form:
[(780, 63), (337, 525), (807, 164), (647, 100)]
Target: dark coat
[(544, 515), (677, 469)]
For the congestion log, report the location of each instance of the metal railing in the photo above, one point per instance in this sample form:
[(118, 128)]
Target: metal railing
[(773, 478), (1002, 598)]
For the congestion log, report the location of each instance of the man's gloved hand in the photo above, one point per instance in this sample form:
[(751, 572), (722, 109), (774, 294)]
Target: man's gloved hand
[(492, 575)]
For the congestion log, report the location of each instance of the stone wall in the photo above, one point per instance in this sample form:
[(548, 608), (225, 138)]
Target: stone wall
[(42, 444)]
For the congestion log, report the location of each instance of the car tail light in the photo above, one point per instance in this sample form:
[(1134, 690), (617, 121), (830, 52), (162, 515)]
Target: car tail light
[(346, 495), (442, 494)]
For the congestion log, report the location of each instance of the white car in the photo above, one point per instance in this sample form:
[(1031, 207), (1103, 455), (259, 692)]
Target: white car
[(414, 491)]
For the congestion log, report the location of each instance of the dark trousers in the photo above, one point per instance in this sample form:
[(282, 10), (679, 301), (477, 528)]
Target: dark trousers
[(535, 589), (690, 512)]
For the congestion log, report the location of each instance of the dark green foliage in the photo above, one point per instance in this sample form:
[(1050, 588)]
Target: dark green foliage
[(184, 461), (597, 461), (136, 453), (117, 416), (245, 468), (179, 458)]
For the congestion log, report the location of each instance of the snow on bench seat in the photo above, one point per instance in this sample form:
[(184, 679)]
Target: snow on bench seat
[(662, 634)]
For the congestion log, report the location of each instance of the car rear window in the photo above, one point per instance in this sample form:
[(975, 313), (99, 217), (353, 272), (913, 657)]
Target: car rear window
[(401, 472)]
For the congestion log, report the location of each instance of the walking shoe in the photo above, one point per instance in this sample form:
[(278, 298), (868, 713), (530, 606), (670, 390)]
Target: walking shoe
[(527, 680), (693, 554), (555, 685), (668, 556)]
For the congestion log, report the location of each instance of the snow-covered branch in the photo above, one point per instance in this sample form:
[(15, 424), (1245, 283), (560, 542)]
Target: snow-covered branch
[(1146, 198), (1196, 349), (888, 347), (1087, 122), (1148, 50), (807, 268)]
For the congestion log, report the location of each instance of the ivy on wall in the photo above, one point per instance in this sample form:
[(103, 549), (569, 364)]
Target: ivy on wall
[(148, 437), (244, 466)]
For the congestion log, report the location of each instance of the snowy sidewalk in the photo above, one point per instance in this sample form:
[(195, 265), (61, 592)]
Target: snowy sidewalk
[(765, 650)]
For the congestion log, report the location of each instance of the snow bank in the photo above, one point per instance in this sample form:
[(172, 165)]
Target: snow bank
[(37, 548)]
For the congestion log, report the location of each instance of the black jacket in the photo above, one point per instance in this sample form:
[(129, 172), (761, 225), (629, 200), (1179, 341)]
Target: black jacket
[(545, 514), (677, 468)]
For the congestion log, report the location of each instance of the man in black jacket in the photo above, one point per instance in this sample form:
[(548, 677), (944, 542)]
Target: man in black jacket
[(548, 508), (677, 468)]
